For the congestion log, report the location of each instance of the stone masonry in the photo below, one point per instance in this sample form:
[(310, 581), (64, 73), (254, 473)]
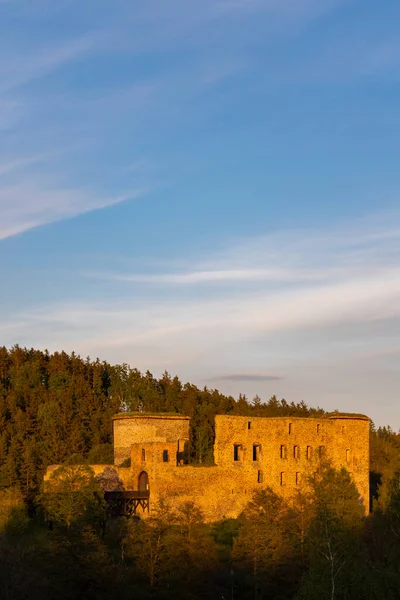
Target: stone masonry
[(249, 453)]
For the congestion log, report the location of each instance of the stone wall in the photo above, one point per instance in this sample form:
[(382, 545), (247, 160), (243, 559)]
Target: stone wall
[(129, 429), (275, 452), (286, 450), (291, 447)]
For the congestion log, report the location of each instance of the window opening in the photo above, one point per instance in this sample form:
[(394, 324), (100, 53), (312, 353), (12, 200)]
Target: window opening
[(237, 452), (165, 456), (318, 427), (290, 428), (259, 476), (296, 452), (248, 424), (298, 478), (256, 452), (347, 455), (143, 454), (282, 478), (309, 452), (283, 451)]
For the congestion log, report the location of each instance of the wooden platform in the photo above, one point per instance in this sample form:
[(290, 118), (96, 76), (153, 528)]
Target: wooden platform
[(127, 504)]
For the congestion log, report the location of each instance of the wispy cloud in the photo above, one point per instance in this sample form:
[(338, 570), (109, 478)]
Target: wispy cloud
[(351, 253), (322, 329), (22, 68), (36, 202), (18, 163), (365, 288), (246, 377)]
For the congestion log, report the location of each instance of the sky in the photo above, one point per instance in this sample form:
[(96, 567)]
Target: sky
[(209, 188)]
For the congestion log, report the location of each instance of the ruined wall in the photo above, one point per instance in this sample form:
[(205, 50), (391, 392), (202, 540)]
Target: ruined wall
[(349, 448), (287, 449), (134, 428), (291, 448)]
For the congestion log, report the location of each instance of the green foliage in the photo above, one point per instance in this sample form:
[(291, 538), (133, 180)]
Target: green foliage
[(333, 537), (101, 454), (13, 513), (150, 544), (263, 542), (72, 496), (171, 548), (55, 407)]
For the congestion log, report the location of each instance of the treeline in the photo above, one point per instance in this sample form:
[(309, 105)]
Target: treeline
[(319, 546), (56, 405), (57, 408)]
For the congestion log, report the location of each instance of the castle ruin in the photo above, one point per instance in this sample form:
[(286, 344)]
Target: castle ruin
[(249, 453)]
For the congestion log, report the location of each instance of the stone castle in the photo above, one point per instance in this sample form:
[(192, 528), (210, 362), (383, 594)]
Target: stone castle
[(249, 453)]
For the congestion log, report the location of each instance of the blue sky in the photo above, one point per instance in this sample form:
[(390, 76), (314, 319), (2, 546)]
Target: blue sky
[(209, 188)]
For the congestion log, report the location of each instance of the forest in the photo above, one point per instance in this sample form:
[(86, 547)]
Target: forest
[(56, 409)]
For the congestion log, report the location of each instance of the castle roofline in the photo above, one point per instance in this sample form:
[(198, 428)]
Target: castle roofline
[(334, 415), (149, 415), (352, 416)]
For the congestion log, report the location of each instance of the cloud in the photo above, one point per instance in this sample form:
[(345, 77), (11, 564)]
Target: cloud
[(365, 289), (17, 69), (36, 201), (213, 276), (333, 330), (348, 254), (18, 163), (246, 377)]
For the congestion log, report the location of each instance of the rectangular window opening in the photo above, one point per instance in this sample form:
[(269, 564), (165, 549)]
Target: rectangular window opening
[(290, 428), (248, 424), (309, 453), (347, 455), (237, 452), (318, 427), (165, 456), (259, 476), (298, 478), (296, 452), (256, 452), (282, 478), (143, 454), (283, 451)]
